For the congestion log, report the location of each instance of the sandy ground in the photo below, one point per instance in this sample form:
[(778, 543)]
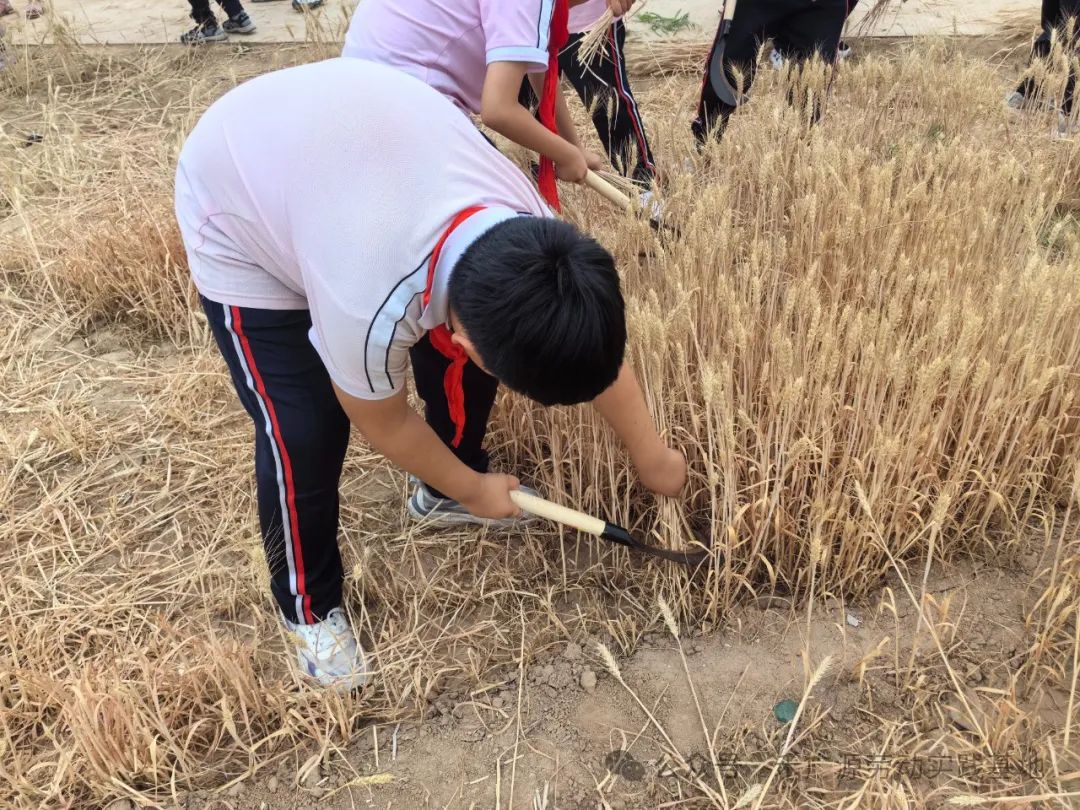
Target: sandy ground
[(562, 732), (136, 21)]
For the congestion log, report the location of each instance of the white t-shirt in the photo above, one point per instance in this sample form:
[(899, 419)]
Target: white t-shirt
[(585, 15), (449, 45), (325, 187)]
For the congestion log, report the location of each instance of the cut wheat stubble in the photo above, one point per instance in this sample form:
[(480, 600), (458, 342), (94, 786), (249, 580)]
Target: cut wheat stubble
[(875, 305)]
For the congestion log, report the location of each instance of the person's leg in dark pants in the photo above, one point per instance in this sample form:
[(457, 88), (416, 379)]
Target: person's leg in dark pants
[(1066, 16), (843, 49), (201, 13), (802, 27), (232, 8), (206, 25), (429, 368), (604, 88), (1050, 18), (526, 96), (301, 435), (234, 11), (785, 49), (740, 54), (812, 29)]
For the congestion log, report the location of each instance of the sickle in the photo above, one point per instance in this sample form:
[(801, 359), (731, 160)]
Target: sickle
[(607, 531), (718, 79)]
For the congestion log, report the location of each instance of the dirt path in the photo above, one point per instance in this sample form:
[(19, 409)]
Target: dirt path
[(563, 732), (135, 21)]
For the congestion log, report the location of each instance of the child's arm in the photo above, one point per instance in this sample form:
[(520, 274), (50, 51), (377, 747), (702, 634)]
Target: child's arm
[(398, 432), (501, 110), (564, 122), (660, 468)]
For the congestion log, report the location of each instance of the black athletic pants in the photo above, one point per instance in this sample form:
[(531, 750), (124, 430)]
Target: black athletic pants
[(1056, 14), (604, 88), (201, 13), (806, 27), (301, 434), (784, 47)]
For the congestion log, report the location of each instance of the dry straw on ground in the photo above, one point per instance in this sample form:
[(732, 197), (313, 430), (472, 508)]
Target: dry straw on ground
[(865, 339)]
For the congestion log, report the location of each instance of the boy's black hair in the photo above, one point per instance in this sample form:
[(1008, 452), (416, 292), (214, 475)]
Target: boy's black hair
[(541, 303)]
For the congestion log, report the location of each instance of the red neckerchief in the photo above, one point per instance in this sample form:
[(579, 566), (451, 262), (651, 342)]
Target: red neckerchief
[(560, 33), (444, 344)]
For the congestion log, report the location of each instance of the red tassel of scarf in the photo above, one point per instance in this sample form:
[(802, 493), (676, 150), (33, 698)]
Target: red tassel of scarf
[(444, 343), (453, 379), (560, 33)]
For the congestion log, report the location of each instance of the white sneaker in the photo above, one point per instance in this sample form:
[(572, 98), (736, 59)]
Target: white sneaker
[(650, 205), (653, 208), (328, 652), (776, 60), (1067, 126), (1018, 102)]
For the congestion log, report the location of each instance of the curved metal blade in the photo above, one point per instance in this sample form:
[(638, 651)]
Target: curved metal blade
[(718, 78), (617, 534)]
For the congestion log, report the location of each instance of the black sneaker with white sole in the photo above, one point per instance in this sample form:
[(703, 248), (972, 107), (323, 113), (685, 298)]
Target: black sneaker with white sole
[(204, 33), (432, 511), (240, 24), (306, 5)]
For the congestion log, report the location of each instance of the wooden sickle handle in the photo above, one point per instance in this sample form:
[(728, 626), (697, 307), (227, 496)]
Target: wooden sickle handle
[(604, 188), (729, 10), (558, 513)]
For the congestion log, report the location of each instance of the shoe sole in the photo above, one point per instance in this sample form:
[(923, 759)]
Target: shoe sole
[(247, 30)]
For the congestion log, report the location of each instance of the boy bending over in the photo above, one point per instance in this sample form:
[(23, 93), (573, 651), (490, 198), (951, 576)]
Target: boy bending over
[(365, 223)]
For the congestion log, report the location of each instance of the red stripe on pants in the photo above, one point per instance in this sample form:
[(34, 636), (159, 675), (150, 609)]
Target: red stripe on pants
[(631, 106), (290, 488)]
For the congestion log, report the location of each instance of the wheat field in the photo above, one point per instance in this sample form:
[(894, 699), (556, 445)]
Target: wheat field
[(865, 336)]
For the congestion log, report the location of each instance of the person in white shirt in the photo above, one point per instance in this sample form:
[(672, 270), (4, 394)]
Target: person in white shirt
[(342, 220), (477, 53)]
